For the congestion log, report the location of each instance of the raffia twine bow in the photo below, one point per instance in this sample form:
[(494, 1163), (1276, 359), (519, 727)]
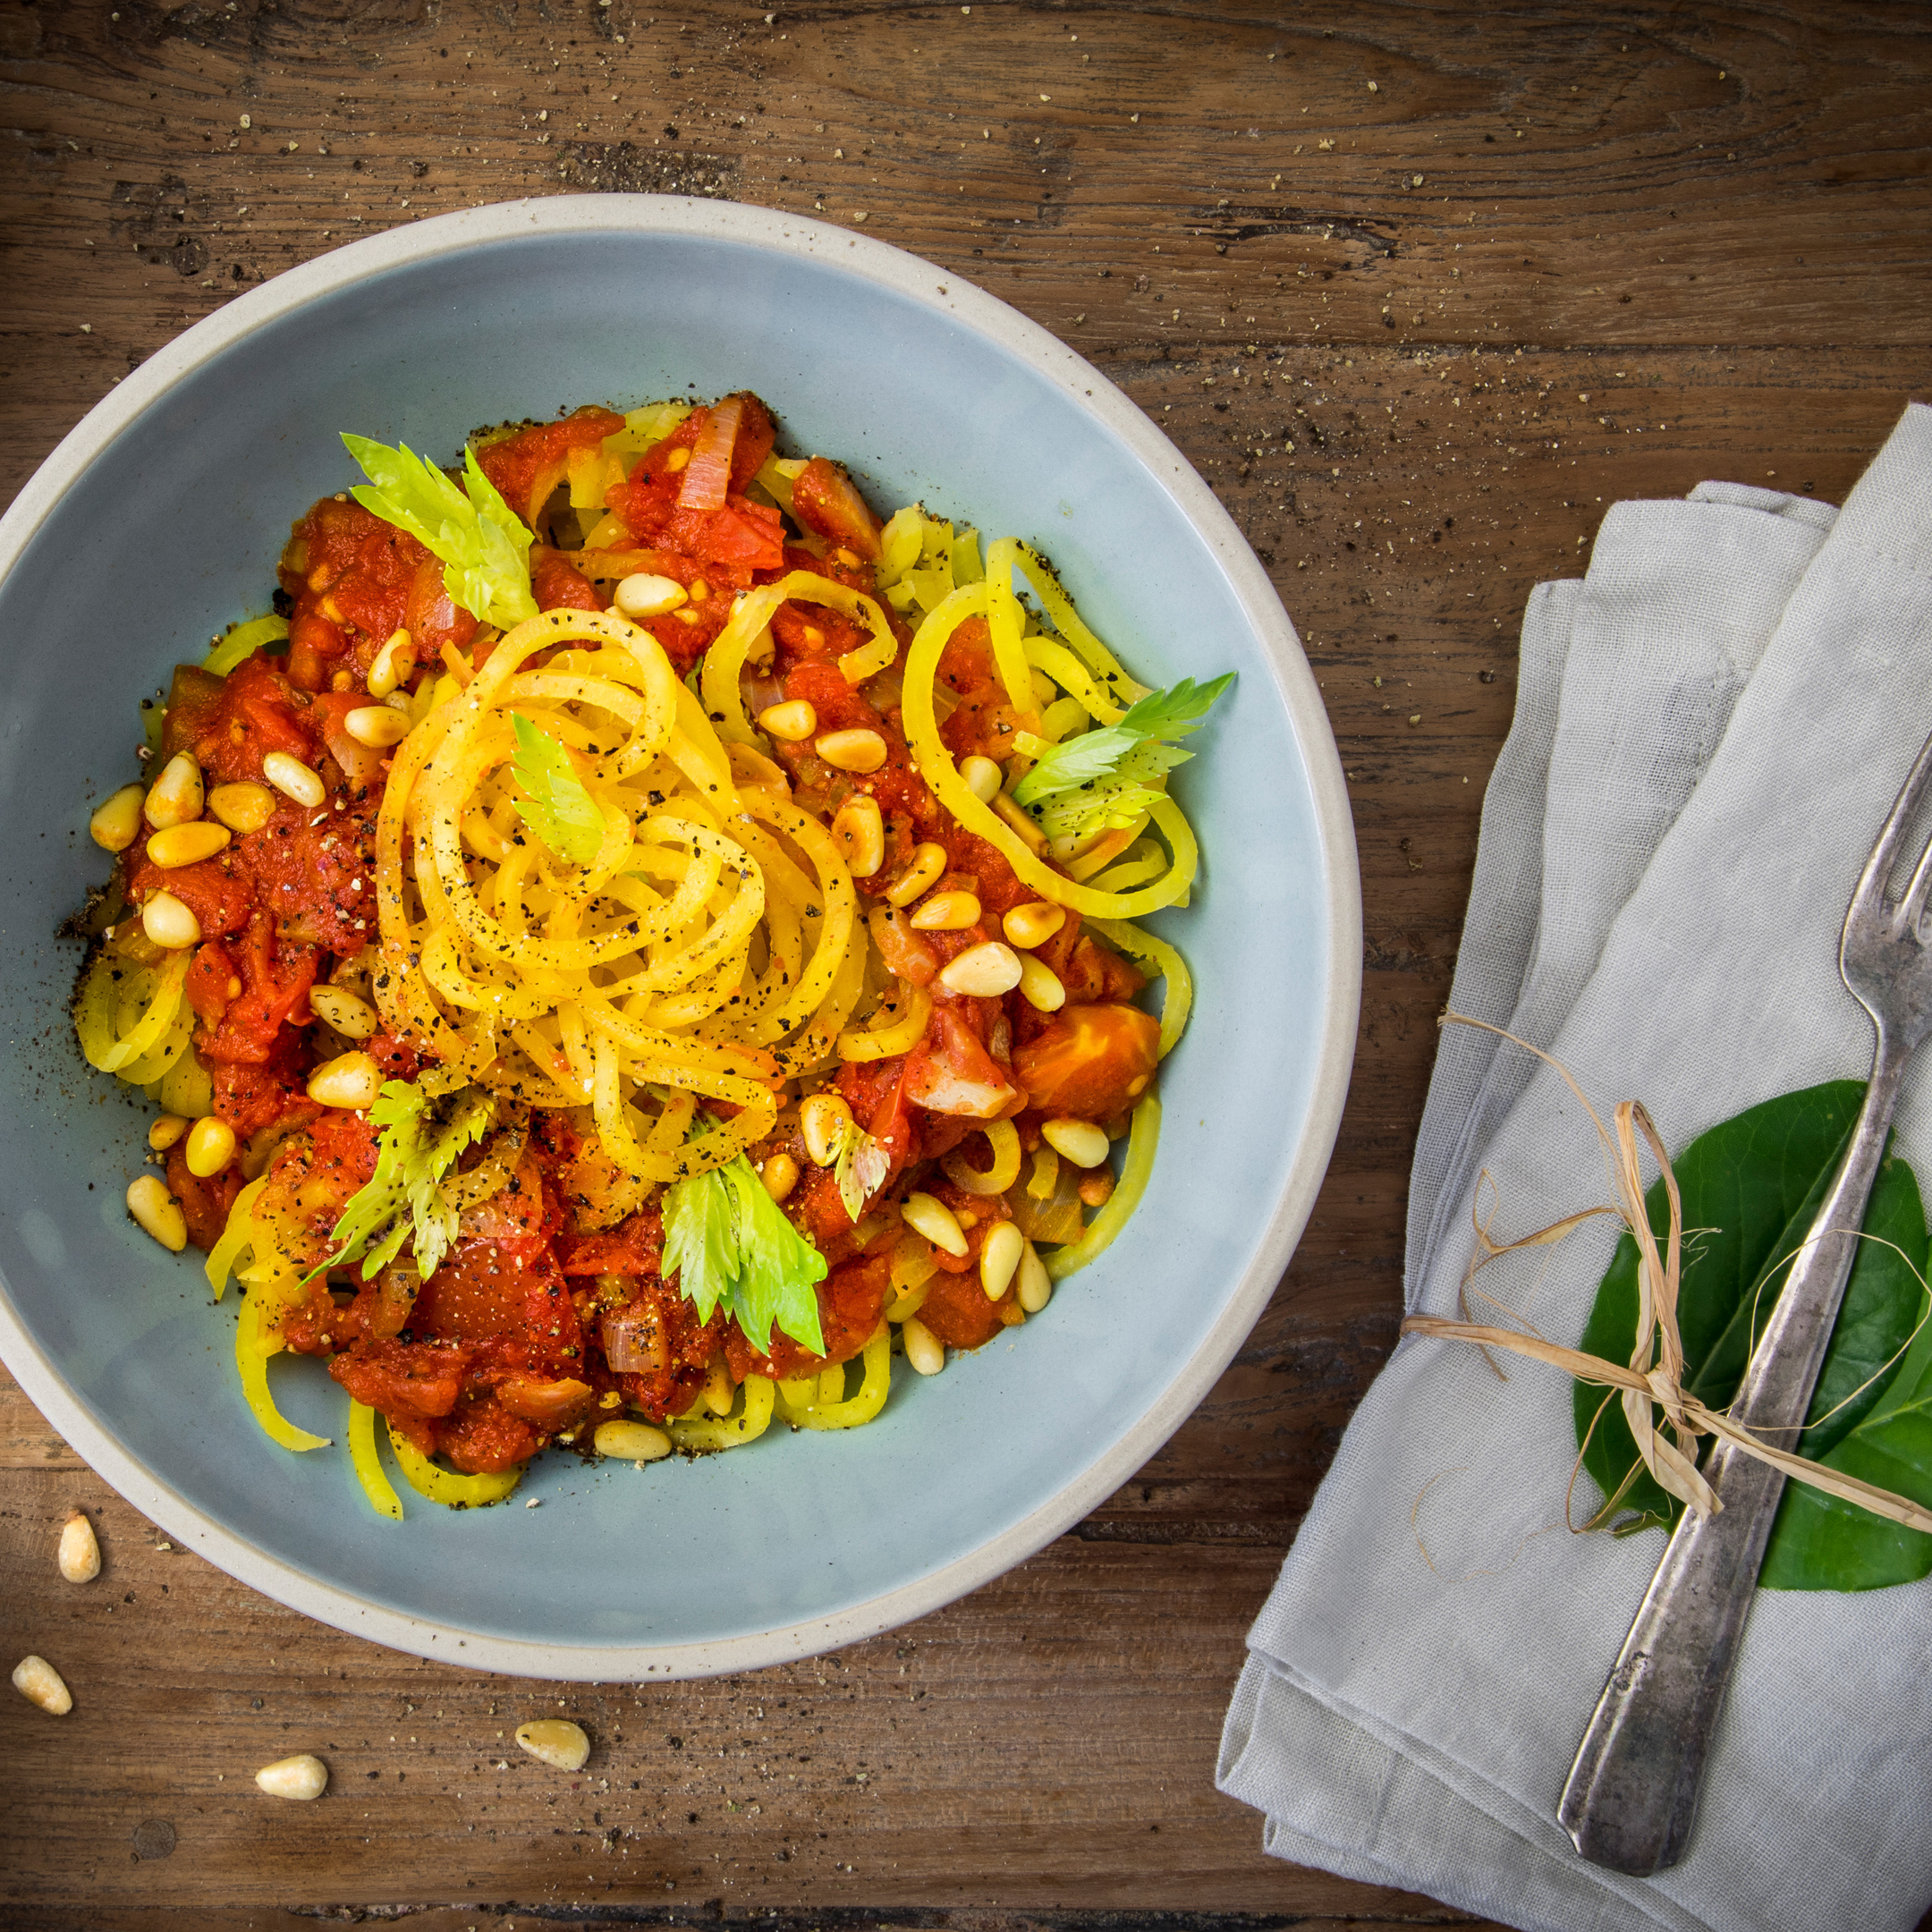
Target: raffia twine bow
[(1653, 1379)]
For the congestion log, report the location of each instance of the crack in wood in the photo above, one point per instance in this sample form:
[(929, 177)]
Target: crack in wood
[(1232, 224), (1130, 1531)]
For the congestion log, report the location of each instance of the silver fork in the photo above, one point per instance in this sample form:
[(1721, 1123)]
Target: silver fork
[(1632, 1797)]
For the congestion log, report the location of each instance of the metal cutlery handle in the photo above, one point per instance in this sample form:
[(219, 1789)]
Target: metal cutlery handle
[(1632, 1793)]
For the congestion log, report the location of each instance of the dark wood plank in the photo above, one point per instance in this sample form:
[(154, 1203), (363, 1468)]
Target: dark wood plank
[(1645, 248), (1746, 177), (1045, 1743)]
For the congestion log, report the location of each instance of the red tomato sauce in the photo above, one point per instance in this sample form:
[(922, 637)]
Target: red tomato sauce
[(533, 1328)]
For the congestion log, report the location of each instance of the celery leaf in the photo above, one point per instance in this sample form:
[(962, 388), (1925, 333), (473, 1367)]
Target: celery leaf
[(860, 1169), (1109, 778), (404, 1199), (729, 1244), (555, 805), (483, 546)]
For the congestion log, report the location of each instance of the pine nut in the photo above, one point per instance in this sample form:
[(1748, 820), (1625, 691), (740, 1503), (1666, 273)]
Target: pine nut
[(211, 1146), (779, 1175), (929, 862), (1039, 984), (1035, 1285), (948, 911), (169, 923), (719, 1392), (676, 461), (632, 1442), (336, 1006), (1022, 821), (377, 726), (859, 751), (936, 1221), (1077, 1140), (167, 1130), (393, 662), (156, 1212), (294, 779), (999, 1257), (116, 822), (861, 833), (187, 844), (794, 721), (80, 1549), (645, 595), (303, 1776), (555, 1740), (1033, 924), (923, 1349), (175, 796), (41, 1683), (983, 971), (1097, 1189), (824, 1120), (351, 1079), (983, 778), (242, 808)]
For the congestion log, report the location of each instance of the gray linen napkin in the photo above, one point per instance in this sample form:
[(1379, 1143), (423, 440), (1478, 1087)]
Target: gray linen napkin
[(1710, 727)]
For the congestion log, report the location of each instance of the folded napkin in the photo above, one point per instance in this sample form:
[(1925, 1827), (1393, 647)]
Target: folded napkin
[(1711, 728)]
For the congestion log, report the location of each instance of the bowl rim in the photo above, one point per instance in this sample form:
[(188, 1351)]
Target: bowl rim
[(964, 303)]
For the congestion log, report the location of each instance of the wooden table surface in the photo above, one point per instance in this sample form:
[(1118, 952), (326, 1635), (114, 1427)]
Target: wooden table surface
[(1419, 290)]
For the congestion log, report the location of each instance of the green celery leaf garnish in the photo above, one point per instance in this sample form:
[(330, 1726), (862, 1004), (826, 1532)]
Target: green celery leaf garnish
[(483, 546), (862, 1165), (729, 1244), (1107, 778), (420, 1144), (556, 806), (701, 1227)]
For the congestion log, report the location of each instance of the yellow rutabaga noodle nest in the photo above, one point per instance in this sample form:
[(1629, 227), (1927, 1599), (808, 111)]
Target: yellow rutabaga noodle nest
[(708, 951)]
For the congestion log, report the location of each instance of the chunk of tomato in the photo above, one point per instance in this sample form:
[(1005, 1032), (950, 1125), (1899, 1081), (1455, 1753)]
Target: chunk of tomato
[(275, 975), (556, 583), (231, 723), (416, 1378), (1091, 1062), (825, 500), (433, 617), (957, 1310)]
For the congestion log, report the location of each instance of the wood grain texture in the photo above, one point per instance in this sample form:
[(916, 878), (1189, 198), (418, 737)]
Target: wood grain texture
[(1419, 290)]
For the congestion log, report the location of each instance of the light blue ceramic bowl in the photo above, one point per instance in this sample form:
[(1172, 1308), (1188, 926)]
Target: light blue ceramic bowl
[(159, 520)]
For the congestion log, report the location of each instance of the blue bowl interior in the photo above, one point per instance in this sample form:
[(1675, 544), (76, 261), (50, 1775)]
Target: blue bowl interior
[(174, 532)]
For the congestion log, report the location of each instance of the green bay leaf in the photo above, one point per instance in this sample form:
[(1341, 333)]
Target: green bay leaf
[(1750, 1186)]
